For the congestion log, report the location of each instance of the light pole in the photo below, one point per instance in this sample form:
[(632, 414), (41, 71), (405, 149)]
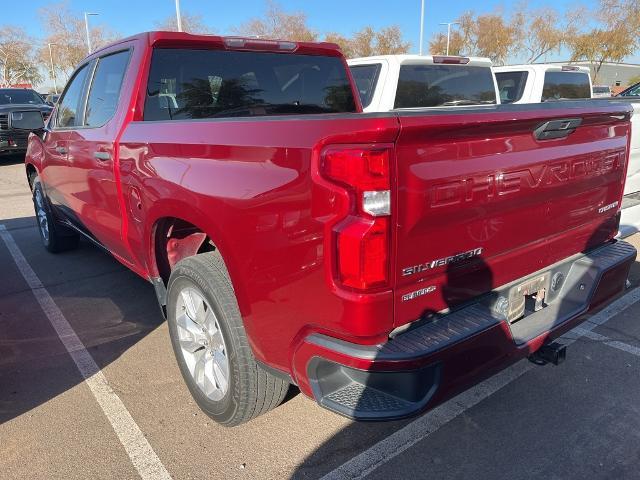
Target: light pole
[(448, 24), (53, 70), (178, 17), (421, 26), (86, 26)]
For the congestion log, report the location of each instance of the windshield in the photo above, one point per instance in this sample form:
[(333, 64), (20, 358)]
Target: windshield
[(631, 91), (20, 97), (185, 84), (444, 85), (601, 90)]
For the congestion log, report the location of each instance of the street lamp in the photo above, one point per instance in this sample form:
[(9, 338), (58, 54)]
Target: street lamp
[(421, 26), (448, 24), (53, 70), (86, 26), (178, 17)]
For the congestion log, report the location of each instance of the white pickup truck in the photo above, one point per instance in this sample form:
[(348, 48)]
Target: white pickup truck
[(390, 82), (544, 83)]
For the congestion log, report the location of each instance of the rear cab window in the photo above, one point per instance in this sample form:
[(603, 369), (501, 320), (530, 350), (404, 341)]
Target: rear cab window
[(511, 85), (366, 78), (444, 85), (565, 85), (195, 84)]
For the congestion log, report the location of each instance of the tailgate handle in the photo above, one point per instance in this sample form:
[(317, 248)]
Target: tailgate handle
[(557, 128)]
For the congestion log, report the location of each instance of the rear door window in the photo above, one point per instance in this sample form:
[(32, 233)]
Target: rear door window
[(366, 78), (511, 85), (69, 107), (444, 85), (105, 88), (565, 85), (193, 84)]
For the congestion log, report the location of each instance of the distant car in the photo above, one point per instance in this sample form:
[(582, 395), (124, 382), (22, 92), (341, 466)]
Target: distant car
[(632, 91), (52, 98), (601, 91), (16, 104)]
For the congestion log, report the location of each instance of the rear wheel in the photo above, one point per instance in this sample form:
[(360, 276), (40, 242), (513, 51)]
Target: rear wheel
[(211, 347), (55, 237)]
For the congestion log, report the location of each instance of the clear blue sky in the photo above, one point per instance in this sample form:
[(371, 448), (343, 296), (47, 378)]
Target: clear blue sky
[(343, 16)]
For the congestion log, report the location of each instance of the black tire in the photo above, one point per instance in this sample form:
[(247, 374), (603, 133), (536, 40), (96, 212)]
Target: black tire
[(251, 390), (55, 237)]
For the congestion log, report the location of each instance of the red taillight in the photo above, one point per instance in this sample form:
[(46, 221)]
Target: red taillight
[(450, 60), (362, 239)]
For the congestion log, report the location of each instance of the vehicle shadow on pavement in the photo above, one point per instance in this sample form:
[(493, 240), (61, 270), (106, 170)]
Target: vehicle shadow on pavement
[(110, 308), (11, 159), (458, 374)]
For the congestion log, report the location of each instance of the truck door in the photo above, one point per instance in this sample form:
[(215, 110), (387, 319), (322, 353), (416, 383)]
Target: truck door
[(92, 157), (55, 175)]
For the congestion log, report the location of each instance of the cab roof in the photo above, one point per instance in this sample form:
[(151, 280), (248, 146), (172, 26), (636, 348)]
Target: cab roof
[(420, 60), (188, 40)]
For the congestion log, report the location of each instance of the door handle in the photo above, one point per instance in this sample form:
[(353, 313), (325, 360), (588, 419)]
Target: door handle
[(557, 128), (102, 156), (62, 150)]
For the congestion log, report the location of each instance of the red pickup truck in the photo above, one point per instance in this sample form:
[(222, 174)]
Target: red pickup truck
[(380, 262)]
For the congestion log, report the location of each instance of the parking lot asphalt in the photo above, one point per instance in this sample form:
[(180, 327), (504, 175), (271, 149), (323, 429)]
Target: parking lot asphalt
[(578, 420)]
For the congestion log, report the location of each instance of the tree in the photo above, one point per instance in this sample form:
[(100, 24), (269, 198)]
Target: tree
[(438, 45), (18, 62), (279, 25), (190, 24), (616, 36), (543, 31), (368, 42), (490, 35), (66, 31)]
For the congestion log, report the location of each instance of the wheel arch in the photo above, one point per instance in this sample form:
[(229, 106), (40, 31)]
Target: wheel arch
[(178, 233)]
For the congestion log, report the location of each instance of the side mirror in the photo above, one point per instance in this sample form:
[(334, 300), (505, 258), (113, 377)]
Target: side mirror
[(31, 120), (50, 103)]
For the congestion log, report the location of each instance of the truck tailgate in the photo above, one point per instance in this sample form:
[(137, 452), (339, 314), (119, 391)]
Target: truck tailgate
[(482, 201)]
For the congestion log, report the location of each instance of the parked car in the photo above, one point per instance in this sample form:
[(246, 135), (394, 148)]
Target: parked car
[(14, 103), (601, 91), (542, 83), (381, 262), (632, 91), (52, 98), (389, 82)]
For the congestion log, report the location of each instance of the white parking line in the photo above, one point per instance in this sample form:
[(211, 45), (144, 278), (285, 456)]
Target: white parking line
[(625, 347), (142, 456), (369, 460)]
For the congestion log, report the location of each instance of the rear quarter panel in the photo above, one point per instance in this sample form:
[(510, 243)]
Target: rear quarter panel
[(249, 184)]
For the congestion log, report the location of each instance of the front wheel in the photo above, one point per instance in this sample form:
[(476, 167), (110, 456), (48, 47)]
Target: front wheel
[(55, 237), (211, 347)]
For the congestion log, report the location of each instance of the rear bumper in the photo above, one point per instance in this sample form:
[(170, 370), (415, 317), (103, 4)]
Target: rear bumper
[(430, 362)]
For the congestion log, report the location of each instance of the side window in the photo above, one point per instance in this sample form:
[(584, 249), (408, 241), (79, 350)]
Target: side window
[(366, 78), (105, 89), (511, 85), (69, 104)]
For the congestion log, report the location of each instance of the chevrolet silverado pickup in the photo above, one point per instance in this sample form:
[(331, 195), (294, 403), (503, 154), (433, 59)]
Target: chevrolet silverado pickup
[(380, 262), (545, 83), (389, 82)]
